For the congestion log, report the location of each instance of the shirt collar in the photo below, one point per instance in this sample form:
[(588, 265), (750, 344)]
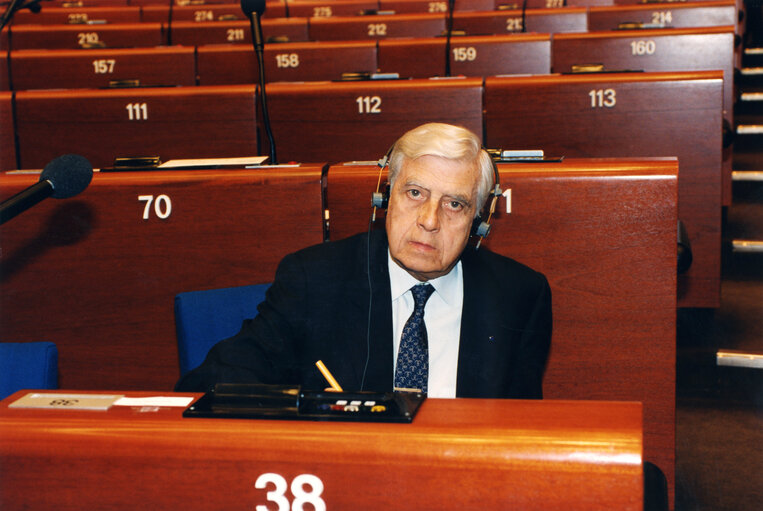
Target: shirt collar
[(401, 281)]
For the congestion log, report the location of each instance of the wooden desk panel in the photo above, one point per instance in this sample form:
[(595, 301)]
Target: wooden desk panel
[(310, 61), (4, 69), (208, 12), (693, 14), (324, 121), (328, 8), (556, 4), (470, 56), (678, 49), (475, 454), (415, 6), (185, 122), (376, 27), (97, 274), (625, 115), (190, 33), (7, 144), (545, 21), (97, 68), (603, 232), (121, 35), (64, 15)]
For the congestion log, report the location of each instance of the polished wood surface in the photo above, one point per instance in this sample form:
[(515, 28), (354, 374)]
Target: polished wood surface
[(651, 114), (306, 61), (679, 15), (376, 27), (323, 8), (323, 121), (469, 56), (7, 144), (97, 68), (190, 33), (547, 21), (603, 232), (63, 15), (97, 273), (116, 35), (182, 122), (412, 6), (676, 49), (457, 454)]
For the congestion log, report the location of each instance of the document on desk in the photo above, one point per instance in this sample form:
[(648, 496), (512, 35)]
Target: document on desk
[(154, 401), (66, 401)]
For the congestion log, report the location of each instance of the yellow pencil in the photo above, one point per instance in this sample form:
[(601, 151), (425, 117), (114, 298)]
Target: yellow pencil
[(329, 377)]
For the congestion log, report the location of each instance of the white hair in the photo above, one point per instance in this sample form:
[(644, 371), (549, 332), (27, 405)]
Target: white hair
[(446, 141)]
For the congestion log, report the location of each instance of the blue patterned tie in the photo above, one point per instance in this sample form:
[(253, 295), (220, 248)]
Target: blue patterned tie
[(412, 370)]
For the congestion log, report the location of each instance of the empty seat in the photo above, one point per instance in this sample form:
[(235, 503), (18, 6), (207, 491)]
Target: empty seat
[(27, 365)]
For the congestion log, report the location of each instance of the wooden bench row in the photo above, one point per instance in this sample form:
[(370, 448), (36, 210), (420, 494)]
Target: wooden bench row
[(97, 273), (151, 32), (595, 115), (653, 50), (603, 15)]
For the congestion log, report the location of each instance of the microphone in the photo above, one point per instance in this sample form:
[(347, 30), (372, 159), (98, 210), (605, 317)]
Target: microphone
[(253, 10), (449, 34), (64, 177)]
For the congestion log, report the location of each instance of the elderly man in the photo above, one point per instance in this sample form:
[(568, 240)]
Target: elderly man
[(411, 306)]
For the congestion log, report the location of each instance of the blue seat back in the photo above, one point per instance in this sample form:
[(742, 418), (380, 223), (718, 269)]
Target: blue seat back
[(203, 318), (27, 365)]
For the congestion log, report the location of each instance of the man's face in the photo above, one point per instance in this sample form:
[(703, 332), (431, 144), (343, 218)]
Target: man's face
[(430, 213)]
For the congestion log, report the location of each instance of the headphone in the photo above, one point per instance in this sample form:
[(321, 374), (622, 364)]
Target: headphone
[(480, 228)]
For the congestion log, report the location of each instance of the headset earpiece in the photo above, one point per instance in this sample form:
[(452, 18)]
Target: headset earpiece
[(381, 199), (482, 228)]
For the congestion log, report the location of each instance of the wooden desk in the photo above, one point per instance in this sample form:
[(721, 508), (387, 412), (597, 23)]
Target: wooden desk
[(7, 144), (545, 21), (457, 454), (64, 15), (97, 274), (670, 50), (690, 14), (414, 6), (97, 68), (191, 33), (323, 121), (329, 8), (624, 115), (376, 27), (172, 122), (117, 35), (469, 56), (307, 61), (603, 232)]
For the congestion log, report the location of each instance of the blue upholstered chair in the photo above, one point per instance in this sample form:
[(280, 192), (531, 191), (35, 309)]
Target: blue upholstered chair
[(27, 365), (202, 318)]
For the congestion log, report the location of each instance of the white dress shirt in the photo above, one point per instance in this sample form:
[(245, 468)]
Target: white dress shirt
[(442, 316)]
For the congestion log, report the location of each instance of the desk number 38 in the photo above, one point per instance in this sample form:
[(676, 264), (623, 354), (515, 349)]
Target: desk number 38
[(301, 496)]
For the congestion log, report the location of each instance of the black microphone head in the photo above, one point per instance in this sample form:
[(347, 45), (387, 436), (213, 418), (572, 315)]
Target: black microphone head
[(69, 175), (251, 6)]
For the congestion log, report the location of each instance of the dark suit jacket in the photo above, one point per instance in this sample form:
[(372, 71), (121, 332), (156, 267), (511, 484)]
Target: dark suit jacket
[(325, 304)]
